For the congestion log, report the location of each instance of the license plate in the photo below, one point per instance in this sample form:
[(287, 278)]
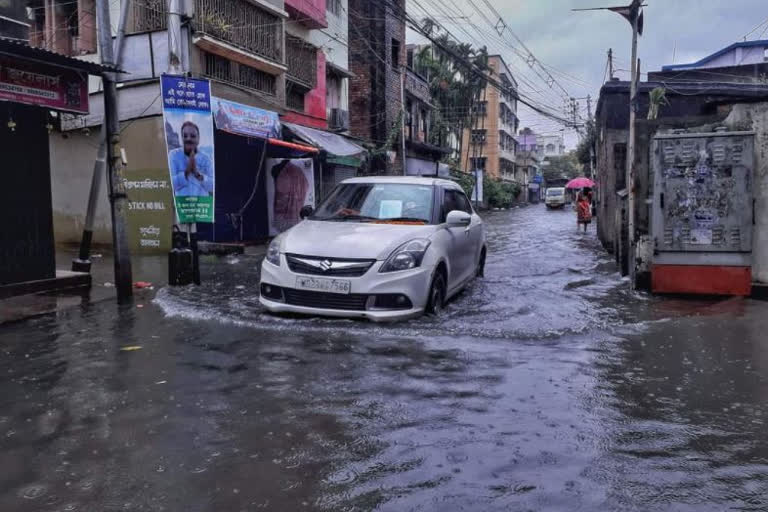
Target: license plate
[(324, 285)]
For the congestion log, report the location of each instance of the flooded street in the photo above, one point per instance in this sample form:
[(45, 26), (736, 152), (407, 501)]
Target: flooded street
[(544, 386)]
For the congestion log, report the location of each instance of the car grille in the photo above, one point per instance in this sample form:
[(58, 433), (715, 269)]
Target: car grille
[(323, 300), (331, 267)]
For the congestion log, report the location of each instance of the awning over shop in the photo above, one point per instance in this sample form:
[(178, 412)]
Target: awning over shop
[(341, 151)]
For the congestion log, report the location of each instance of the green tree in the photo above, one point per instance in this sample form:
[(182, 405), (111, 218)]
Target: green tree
[(559, 167), (587, 145), (454, 85)]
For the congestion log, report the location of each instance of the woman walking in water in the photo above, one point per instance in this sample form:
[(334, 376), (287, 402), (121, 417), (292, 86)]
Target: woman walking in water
[(584, 208)]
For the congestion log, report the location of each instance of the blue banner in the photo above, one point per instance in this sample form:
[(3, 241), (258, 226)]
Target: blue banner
[(244, 120), (189, 140)]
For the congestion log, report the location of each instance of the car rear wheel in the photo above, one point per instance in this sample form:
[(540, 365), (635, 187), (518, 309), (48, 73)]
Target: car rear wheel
[(436, 295)]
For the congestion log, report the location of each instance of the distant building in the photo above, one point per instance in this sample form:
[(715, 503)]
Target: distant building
[(490, 144), (738, 54), (551, 145), (745, 61)]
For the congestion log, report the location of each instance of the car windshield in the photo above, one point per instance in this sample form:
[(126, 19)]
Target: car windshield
[(555, 192), (378, 202)]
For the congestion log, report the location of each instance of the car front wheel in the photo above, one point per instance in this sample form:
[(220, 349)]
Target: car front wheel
[(436, 295), (481, 265)]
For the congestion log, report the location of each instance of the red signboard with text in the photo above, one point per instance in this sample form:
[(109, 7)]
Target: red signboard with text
[(45, 85)]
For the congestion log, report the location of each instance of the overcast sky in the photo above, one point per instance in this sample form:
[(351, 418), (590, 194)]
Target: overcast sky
[(575, 44)]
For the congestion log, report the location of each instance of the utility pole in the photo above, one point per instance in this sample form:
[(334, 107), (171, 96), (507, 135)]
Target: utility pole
[(403, 72), (633, 13), (83, 261), (590, 123), (182, 266), (117, 197), (610, 63)]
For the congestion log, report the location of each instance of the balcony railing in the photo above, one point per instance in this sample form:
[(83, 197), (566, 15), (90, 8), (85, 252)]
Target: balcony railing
[(301, 59), (148, 16), (242, 24)]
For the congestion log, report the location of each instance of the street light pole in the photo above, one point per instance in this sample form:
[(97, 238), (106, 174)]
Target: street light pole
[(633, 13), (631, 147)]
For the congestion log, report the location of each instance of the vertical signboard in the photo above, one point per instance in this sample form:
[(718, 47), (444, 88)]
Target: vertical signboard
[(189, 141), (290, 187), (149, 210)]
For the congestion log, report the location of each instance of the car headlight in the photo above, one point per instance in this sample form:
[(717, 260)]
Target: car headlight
[(407, 256), (273, 252)]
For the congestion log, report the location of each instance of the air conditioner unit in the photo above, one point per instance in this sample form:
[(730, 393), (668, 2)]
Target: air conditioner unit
[(339, 119)]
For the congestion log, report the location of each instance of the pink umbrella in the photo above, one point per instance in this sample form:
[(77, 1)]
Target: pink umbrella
[(580, 183)]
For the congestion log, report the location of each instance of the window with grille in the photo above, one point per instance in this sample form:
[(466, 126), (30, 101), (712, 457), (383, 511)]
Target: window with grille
[(478, 136), (477, 162), (225, 70)]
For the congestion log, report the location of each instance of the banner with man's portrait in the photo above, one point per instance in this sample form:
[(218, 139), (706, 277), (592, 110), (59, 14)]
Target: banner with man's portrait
[(189, 140), (290, 187)]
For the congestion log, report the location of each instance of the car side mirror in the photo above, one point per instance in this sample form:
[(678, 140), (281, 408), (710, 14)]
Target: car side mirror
[(306, 211), (458, 218)]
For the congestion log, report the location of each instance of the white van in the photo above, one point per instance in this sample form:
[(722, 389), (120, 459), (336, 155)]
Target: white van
[(555, 197)]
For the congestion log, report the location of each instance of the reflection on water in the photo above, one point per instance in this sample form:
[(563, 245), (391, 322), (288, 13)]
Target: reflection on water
[(545, 386)]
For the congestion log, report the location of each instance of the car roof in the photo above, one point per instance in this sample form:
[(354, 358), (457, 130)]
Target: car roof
[(404, 180)]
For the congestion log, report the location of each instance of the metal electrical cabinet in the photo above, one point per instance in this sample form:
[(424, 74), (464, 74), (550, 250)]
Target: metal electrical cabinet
[(702, 213)]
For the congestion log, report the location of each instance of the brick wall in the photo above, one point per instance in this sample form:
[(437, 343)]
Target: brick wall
[(374, 91)]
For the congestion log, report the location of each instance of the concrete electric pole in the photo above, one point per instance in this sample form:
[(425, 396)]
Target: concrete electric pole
[(83, 261), (633, 13), (117, 197)]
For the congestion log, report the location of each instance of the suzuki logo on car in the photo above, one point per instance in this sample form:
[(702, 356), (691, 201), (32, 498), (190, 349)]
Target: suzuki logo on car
[(325, 265)]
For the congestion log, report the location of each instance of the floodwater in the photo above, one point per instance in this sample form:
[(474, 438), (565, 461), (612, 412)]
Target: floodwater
[(544, 386)]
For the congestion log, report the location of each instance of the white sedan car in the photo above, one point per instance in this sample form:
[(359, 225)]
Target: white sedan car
[(382, 248)]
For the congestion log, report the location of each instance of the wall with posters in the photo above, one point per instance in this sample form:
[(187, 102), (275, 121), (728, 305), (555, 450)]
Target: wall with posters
[(147, 186), (290, 186)]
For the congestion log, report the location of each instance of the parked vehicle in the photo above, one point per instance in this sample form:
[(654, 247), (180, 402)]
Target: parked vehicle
[(555, 197), (382, 248)]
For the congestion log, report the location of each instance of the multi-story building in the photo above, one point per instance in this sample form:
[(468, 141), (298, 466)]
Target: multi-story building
[(551, 145), (490, 144), (377, 61), (317, 59), (424, 150)]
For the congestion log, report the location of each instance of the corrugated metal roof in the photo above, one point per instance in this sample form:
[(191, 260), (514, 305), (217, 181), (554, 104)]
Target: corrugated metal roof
[(23, 50)]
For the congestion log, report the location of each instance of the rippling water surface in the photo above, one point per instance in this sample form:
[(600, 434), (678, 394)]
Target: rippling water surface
[(544, 386)]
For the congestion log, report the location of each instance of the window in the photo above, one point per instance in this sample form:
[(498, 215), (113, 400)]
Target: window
[(478, 136), (395, 54), (409, 58), (477, 162), (334, 6), (550, 148), (424, 124), (375, 202), (620, 164), (294, 98), (454, 200), (480, 108), (225, 70)]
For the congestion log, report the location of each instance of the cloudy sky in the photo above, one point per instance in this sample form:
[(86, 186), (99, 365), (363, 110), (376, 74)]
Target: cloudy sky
[(574, 45)]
